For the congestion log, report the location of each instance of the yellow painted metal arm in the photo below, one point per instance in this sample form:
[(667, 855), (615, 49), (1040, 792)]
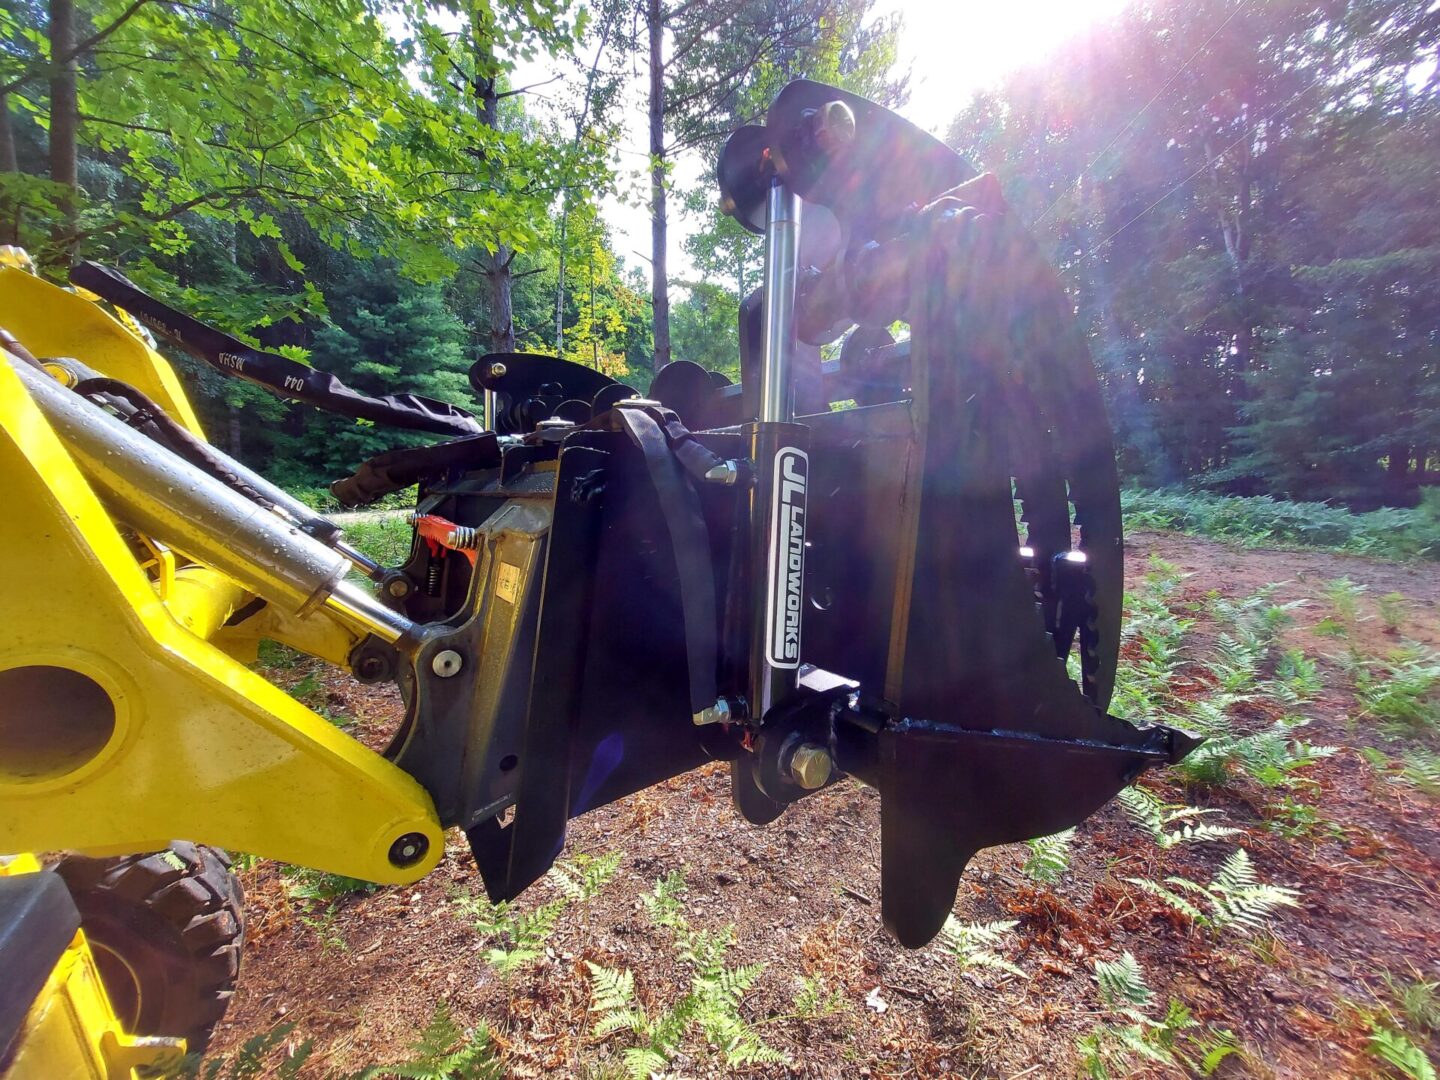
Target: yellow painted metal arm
[(54, 322), (121, 730)]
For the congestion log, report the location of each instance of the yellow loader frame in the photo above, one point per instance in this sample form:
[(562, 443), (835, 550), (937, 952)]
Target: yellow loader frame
[(128, 716)]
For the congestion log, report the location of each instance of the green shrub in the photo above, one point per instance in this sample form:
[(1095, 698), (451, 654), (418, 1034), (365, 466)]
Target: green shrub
[(1266, 522)]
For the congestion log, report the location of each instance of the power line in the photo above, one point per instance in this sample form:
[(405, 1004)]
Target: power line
[(1120, 134), (1265, 120)]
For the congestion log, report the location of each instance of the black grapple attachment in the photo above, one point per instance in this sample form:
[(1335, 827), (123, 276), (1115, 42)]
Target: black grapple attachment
[(902, 565)]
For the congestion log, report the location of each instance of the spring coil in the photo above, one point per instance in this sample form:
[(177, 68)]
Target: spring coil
[(464, 538)]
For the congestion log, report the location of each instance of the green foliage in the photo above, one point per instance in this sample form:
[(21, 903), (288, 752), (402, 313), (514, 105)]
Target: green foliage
[(1265, 522), (1175, 1040), (443, 1052), (303, 883), (1398, 1050), (1416, 1001), (1344, 597), (1116, 1045), (517, 937), (263, 1053), (582, 877), (1401, 692), (1049, 857), (1392, 611), (815, 1001), (385, 539), (317, 895), (975, 944), (1297, 678), (1272, 756), (1156, 817), (1235, 899), (1122, 983), (711, 1004)]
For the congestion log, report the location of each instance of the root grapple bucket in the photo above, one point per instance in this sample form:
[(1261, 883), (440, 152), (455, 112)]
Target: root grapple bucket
[(901, 565)]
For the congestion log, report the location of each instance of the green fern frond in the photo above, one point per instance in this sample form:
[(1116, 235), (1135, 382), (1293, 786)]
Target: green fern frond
[(1399, 1051), (1122, 983), (1049, 857), (1236, 898), (1154, 815), (610, 989), (974, 944), (584, 876), (641, 1062), (1174, 900), (1421, 768)]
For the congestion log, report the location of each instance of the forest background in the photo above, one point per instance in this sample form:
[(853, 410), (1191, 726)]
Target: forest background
[(1242, 196)]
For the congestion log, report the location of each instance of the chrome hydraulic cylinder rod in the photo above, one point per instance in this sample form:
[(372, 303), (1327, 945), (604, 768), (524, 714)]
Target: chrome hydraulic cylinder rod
[(782, 254), (777, 447), (71, 372), (152, 489)]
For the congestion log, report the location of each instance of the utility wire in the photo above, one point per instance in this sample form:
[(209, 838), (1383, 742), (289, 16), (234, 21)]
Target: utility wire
[(1264, 120), (1134, 119)]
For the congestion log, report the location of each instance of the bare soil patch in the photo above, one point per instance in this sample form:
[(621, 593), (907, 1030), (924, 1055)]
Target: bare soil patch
[(803, 895)]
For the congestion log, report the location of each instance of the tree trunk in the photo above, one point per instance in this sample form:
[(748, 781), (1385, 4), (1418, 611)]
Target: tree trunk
[(659, 279), (560, 280), (496, 266), (63, 121), (9, 213)]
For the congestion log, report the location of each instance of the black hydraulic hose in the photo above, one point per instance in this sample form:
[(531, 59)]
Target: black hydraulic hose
[(279, 374)]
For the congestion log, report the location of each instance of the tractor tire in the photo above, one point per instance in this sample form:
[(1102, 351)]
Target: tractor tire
[(167, 930)]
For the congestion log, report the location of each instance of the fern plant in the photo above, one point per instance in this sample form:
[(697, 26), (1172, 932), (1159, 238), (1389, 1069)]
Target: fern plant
[(1122, 984), (1270, 756), (1297, 679), (584, 876), (517, 938), (974, 944), (712, 1003), (1156, 817), (1135, 1034), (1403, 693), (1235, 899), (1402, 1053), (443, 1052), (1049, 857), (254, 1057)]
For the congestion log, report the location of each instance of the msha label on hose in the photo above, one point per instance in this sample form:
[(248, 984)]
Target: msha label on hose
[(787, 558)]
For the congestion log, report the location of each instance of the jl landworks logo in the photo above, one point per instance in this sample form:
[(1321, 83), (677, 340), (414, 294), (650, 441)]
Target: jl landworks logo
[(787, 558)]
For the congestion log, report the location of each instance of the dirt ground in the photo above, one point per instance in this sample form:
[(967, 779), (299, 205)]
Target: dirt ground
[(802, 896)]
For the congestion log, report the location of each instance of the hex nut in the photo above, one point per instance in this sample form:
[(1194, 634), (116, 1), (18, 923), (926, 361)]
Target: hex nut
[(810, 766)]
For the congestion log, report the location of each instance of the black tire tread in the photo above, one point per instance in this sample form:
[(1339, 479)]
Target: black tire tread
[(179, 912)]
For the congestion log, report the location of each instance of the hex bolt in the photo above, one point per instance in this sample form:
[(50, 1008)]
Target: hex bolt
[(637, 403), (497, 371), (727, 473), (555, 423), (399, 587), (810, 766), (446, 663), (719, 713)]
